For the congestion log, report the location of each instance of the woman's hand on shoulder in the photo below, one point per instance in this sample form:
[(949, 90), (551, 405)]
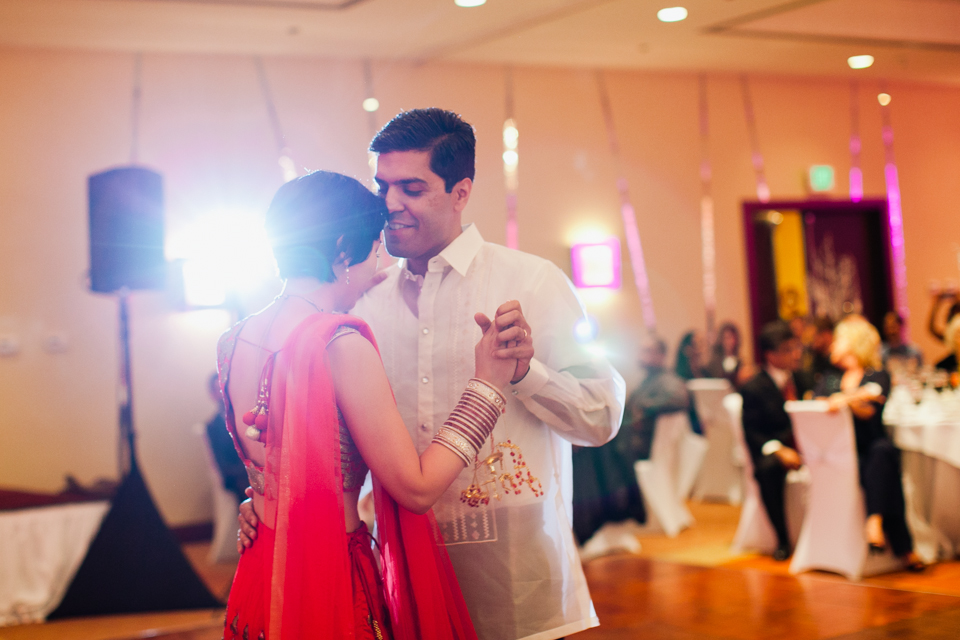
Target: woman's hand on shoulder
[(488, 367)]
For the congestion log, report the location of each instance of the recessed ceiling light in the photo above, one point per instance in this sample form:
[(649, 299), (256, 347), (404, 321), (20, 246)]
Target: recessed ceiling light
[(469, 3), (883, 99), (371, 104), (860, 62), (672, 14)]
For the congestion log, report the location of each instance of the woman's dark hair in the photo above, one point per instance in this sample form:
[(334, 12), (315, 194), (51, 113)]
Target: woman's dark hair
[(684, 367), (320, 219), (718, 343), (450, 141)]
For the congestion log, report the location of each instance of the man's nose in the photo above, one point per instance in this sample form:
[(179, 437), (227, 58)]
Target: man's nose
[(392, 199)]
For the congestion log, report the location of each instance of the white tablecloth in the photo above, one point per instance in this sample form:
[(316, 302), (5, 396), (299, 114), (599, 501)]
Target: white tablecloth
[(41, 549), (929, 436)]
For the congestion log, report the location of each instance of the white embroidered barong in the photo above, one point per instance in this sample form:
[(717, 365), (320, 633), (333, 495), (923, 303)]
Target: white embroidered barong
[(516, 560)]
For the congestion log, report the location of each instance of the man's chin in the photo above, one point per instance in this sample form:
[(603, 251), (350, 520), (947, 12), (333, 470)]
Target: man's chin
[(394, 248)]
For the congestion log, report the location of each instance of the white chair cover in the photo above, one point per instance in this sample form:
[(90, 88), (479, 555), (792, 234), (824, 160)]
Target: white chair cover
[(662, 477), (42, 550), (719, 477), (754, 531), (223, 546), (832, 537)]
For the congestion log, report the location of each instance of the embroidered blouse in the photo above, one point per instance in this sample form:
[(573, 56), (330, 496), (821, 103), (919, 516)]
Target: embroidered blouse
[(352, 466)]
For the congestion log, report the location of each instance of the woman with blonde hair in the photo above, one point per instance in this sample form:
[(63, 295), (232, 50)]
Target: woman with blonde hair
[(863, 385)]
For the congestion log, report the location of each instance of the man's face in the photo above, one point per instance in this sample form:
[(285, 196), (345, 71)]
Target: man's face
[(422, 217), (891, 326), (787, 356), (822, 342), (650, 355)]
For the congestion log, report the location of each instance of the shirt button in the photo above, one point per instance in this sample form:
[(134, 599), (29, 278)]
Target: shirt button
[(426, 331), (424, 427), (425, 380)]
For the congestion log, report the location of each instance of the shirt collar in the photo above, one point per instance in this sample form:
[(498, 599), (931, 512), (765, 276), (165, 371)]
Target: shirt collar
[(459, 254), (780, 376)]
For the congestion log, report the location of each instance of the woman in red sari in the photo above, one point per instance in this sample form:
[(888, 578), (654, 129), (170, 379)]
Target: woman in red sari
[(308, 392)]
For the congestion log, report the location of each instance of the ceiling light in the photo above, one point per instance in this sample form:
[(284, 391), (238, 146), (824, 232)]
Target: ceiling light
[(860, 62), (672, 14), (371, 104), (469, 3), (883, 99)]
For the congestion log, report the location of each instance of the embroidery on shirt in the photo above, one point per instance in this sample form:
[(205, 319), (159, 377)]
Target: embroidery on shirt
[(461, 525)]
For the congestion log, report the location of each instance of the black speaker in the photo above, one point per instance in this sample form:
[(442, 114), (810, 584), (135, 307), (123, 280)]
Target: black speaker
[(126, 230)]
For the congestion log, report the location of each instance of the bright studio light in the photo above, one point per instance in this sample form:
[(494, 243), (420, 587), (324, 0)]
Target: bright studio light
[(860, 62), (672, 14), (371, 104), (586, 329), (469, 3), (883, 99), (223, 252), (511, 158)]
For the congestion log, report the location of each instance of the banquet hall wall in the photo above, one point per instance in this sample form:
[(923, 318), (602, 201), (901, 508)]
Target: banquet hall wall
[(66, 114)]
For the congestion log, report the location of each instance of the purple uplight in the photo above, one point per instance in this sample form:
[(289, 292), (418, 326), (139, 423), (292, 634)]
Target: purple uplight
[(596, 264), (896, 238), (856, 184)]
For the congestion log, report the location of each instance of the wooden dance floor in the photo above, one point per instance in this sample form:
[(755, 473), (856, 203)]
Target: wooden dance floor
[(683, 588), (654, 600)]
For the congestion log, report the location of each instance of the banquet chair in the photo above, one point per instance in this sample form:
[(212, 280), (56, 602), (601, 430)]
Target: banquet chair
[(223, 546), (667, 476), (754, 531), (832, 537), (719, 477)]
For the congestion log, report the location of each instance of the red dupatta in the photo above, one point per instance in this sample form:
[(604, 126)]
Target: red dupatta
[(310, 592)]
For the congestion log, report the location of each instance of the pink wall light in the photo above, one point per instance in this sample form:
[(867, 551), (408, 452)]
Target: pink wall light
[(596, 264)]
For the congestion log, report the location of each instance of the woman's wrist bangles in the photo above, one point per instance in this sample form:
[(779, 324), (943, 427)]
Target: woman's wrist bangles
[(472, 420)]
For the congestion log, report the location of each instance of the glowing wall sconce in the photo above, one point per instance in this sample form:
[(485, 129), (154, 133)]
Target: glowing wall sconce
[(596, 264)]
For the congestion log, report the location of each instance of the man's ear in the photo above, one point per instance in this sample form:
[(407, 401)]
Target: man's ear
[(461, 194)]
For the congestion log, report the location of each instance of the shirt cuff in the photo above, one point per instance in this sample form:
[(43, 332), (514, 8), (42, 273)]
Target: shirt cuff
[(770, 447), (536, 378)]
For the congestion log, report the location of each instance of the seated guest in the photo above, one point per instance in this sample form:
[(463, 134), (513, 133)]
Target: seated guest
[(725, 360), (816, 361), (895, 352), (767, 427), (951, 338), (690, 356), (660, 392), (231, 468), (863, 386), (690, 365)]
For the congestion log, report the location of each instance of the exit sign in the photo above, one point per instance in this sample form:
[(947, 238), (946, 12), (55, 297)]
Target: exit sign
[(821, 177)]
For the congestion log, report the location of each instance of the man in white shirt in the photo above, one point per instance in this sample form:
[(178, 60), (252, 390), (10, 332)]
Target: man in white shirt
[(515, 558)]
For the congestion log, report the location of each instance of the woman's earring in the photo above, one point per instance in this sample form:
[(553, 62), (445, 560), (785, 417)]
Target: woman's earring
[(346, 270)]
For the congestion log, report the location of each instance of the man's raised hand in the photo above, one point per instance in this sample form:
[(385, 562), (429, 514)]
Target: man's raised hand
[(517, 337)]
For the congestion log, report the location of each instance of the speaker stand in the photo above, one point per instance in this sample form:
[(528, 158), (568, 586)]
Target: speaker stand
[(135, 563)]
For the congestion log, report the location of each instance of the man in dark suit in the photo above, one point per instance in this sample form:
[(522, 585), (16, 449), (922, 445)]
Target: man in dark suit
[(766, 425)]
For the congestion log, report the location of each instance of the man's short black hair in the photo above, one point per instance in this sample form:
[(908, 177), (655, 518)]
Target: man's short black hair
[(773, 335), (450, 141)]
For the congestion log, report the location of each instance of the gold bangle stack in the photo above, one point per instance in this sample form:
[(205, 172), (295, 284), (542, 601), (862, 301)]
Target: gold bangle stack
[(472, 420)]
